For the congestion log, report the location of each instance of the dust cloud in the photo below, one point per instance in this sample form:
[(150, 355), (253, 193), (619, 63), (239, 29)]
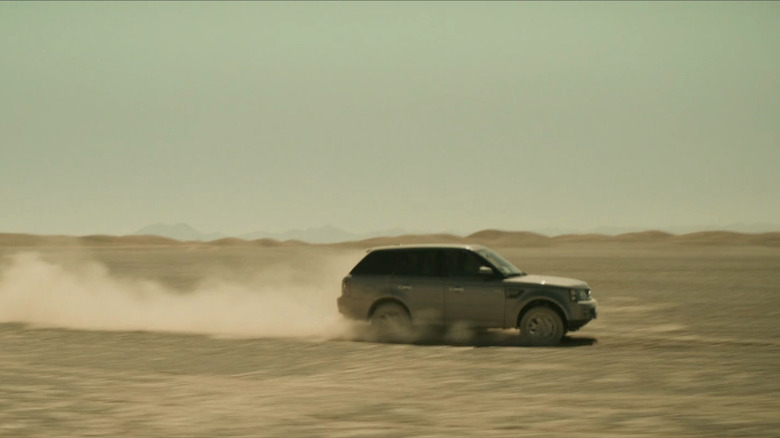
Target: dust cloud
[(87, 296)]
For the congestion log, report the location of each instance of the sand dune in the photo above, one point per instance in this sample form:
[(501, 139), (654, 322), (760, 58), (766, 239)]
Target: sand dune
[(107, 240), (268, 242), (494, 238), (33, 240), (508, 238), (729, 238), (573, 238), (408, 239), (643, 236), (229, 241)]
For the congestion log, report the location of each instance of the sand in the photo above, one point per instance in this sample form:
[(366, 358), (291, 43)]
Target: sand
[(152, 338)]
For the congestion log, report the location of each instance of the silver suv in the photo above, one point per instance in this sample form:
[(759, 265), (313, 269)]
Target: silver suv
[(446, 284)]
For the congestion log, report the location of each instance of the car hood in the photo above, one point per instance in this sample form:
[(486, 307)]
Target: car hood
[(546, 280)]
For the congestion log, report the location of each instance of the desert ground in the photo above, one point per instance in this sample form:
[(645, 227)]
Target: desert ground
[(152, 337)]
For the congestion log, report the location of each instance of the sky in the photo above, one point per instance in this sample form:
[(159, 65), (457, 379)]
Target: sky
[(425, 116)]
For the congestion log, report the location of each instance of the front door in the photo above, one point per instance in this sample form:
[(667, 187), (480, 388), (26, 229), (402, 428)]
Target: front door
[(474, 298)]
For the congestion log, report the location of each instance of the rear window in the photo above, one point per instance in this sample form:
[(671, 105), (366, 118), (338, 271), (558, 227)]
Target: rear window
[(376, 263)]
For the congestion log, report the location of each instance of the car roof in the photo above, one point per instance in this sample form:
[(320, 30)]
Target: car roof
[(427, 246)]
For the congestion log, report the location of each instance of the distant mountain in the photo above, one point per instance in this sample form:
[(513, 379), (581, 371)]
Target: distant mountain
[(763, 227), (324, 234), (178, 231), (741, 227)]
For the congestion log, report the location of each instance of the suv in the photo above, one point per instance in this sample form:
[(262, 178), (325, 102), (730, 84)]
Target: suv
[(445, 284)]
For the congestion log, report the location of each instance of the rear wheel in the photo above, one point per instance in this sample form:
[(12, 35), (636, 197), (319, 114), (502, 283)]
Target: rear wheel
[(541, 325), (391, 319)]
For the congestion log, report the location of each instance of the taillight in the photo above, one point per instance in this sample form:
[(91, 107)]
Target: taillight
[(344, 287)]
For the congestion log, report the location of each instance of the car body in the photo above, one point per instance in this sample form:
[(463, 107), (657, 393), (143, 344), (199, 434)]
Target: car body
[(470, 284)]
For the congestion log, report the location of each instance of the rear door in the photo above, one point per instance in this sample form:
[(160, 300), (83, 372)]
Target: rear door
[(417, 280), (470, 297)]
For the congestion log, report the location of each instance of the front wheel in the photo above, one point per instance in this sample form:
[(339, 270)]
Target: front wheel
[(541, 326)]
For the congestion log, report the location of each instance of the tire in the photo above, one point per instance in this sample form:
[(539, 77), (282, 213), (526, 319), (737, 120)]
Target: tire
[(541, 325), (391, 320)]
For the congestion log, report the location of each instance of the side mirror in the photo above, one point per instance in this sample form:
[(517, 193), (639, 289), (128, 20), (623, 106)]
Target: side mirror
[(486, 271)]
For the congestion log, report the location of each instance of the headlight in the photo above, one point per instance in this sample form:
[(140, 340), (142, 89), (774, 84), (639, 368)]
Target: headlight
[(579, 294)]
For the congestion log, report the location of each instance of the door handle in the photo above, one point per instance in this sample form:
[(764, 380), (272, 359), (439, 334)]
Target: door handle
[(404, 287), (456, 289)]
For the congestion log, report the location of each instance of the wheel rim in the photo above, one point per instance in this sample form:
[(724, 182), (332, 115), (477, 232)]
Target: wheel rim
[(541, 326), (391, 317)]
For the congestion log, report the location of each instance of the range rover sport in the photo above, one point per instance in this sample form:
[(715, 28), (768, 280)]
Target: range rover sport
[(446, 284)]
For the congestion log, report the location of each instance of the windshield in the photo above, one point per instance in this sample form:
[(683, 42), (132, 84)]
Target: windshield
[(503, 265)]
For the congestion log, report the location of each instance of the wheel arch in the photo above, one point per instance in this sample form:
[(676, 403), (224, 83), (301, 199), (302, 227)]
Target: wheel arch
[(387, 300), (542, 302)]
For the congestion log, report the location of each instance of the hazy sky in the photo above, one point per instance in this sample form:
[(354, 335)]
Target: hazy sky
[(460, 116)]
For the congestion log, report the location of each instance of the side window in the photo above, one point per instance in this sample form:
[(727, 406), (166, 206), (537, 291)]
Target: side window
[(376, 263), (420, 263), (461, 263), (471, 264), (431, 264), (451, 262), (407, 263)]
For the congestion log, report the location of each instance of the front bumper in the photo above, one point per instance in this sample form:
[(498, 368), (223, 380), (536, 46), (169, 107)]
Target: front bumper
[(582, 312)]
